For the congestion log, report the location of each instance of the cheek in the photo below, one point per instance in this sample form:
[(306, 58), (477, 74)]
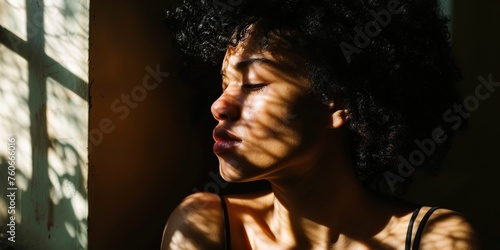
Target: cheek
[(270, 134), (264, 118), (270, 119), (272, 131)]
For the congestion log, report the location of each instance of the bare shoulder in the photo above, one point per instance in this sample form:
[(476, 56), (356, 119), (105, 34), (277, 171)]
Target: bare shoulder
[(196, 223), (447, 229)]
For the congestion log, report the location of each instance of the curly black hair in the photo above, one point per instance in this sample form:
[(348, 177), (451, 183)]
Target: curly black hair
[(390, 63)]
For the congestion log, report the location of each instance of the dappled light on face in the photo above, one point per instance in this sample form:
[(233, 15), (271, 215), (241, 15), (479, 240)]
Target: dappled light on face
[(276, 121)]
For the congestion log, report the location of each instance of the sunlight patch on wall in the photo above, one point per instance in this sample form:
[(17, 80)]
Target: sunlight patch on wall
[(13, 17), (67, 129), (66, 38), (43, 104), (14, 111)]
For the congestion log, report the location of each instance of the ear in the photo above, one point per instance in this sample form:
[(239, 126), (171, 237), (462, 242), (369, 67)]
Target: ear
[(337, 116)]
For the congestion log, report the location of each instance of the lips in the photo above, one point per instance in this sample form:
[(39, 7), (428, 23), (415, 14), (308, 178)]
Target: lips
[(224, 140)]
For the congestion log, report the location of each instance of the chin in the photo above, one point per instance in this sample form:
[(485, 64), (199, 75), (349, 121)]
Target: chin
[(230, 171), (234, 171)]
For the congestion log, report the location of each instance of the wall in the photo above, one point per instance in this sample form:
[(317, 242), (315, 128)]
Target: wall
[(44, 119), (144, 147)]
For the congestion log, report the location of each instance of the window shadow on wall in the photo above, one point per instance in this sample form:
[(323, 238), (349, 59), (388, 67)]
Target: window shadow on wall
[(45, 107)]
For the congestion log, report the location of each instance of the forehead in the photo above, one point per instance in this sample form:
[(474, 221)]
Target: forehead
[(277, 52), (247, 48)]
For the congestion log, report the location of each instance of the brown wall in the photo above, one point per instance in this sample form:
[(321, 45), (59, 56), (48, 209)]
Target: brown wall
[(141, 163), (158, 153)]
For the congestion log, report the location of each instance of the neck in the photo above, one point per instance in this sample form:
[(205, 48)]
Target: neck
[(325, 202)]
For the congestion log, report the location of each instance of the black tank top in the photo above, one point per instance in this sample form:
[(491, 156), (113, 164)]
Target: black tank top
[(408, 246)]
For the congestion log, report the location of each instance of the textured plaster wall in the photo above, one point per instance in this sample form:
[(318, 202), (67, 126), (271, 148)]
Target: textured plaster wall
[(44, 113)]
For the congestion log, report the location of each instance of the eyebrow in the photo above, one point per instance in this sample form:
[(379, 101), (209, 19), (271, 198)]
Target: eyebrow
[(247, 62)]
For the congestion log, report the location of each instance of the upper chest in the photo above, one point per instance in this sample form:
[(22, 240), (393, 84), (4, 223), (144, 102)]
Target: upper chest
[(253, 232)]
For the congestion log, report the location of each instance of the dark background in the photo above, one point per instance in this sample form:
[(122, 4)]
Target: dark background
[(162, 150)]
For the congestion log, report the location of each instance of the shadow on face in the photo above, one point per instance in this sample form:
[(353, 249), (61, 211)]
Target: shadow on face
[(268, 108)]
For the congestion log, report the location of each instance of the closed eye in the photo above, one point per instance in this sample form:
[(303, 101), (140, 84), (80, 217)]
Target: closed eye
[(253, 86)]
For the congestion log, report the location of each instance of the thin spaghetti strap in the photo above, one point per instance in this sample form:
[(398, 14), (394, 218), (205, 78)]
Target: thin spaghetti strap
[(410, 228), (421, 227), (225, 218)]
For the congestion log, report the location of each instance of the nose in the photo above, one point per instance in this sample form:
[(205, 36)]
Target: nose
[(226, 107)]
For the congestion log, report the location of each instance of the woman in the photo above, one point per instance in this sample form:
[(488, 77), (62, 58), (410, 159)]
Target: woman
[(323, 99)]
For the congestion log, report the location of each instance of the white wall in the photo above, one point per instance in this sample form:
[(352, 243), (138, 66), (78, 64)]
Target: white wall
[(44, 106)]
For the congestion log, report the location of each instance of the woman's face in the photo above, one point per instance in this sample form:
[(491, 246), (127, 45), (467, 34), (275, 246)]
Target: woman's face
[(269, 122)]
